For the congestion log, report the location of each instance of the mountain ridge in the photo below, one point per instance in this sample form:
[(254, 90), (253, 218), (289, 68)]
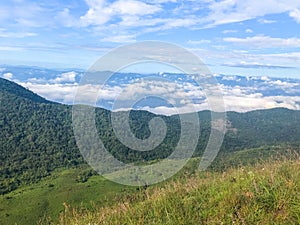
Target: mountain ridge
[(16, 89), (36, 135)]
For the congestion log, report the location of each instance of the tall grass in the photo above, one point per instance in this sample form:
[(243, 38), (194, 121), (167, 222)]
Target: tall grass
[(265, 193)]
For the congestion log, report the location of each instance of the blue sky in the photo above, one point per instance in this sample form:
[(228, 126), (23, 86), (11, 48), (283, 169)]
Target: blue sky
[(250, 37)]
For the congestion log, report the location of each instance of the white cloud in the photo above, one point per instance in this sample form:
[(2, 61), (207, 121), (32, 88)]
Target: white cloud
[(265, 42), (56, 92), (199, 42), (66, 18), (265, 78), (188, 108), (37, 80), (97, 13), (283, 84), (161, 1), (248, 103), (229, 11), (132, 7), (181, 22), (94, 18), (249, 30), (171, 91), (66, 93), (229, 31), (138, 21), (29, 23), (68, 77), (100, 12), (243, 99), (25, 14), (295, 14), (232, 103), (10, 48), (8, 76), (6, 34), (293, 56), (229, 78), (120, 38), (265, 21), (170, 23), (89, 94), (244, 64)]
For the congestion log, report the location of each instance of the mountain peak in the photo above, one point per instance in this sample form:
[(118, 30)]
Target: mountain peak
[(13, 88)]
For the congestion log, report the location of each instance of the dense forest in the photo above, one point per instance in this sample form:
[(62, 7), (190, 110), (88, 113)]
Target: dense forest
[(36, 135)]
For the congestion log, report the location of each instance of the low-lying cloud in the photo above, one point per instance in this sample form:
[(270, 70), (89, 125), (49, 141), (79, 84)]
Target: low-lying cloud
[(181, 95)]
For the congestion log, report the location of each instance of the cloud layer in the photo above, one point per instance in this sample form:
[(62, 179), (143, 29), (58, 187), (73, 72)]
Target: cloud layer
[(174, 93)]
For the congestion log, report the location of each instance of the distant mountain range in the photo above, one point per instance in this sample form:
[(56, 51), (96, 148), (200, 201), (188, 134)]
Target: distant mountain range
[(36, 135), (240, 93)]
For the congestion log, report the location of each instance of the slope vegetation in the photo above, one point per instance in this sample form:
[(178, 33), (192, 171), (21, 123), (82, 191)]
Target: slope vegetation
[(267, 193)]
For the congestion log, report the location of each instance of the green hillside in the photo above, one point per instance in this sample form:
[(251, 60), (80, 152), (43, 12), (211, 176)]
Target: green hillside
[(44, 200), (35, 138), (36, 135), (267, 193)]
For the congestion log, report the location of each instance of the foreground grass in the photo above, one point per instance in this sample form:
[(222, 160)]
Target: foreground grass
[(267, 193), (53, 195)]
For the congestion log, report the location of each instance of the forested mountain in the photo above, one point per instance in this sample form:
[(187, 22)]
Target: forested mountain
[(36, 135), (8, 87)]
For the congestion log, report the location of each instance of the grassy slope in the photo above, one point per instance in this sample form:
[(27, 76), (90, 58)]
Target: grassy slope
[(267, 193), (46, 199), (42, 202), (29, 204)]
